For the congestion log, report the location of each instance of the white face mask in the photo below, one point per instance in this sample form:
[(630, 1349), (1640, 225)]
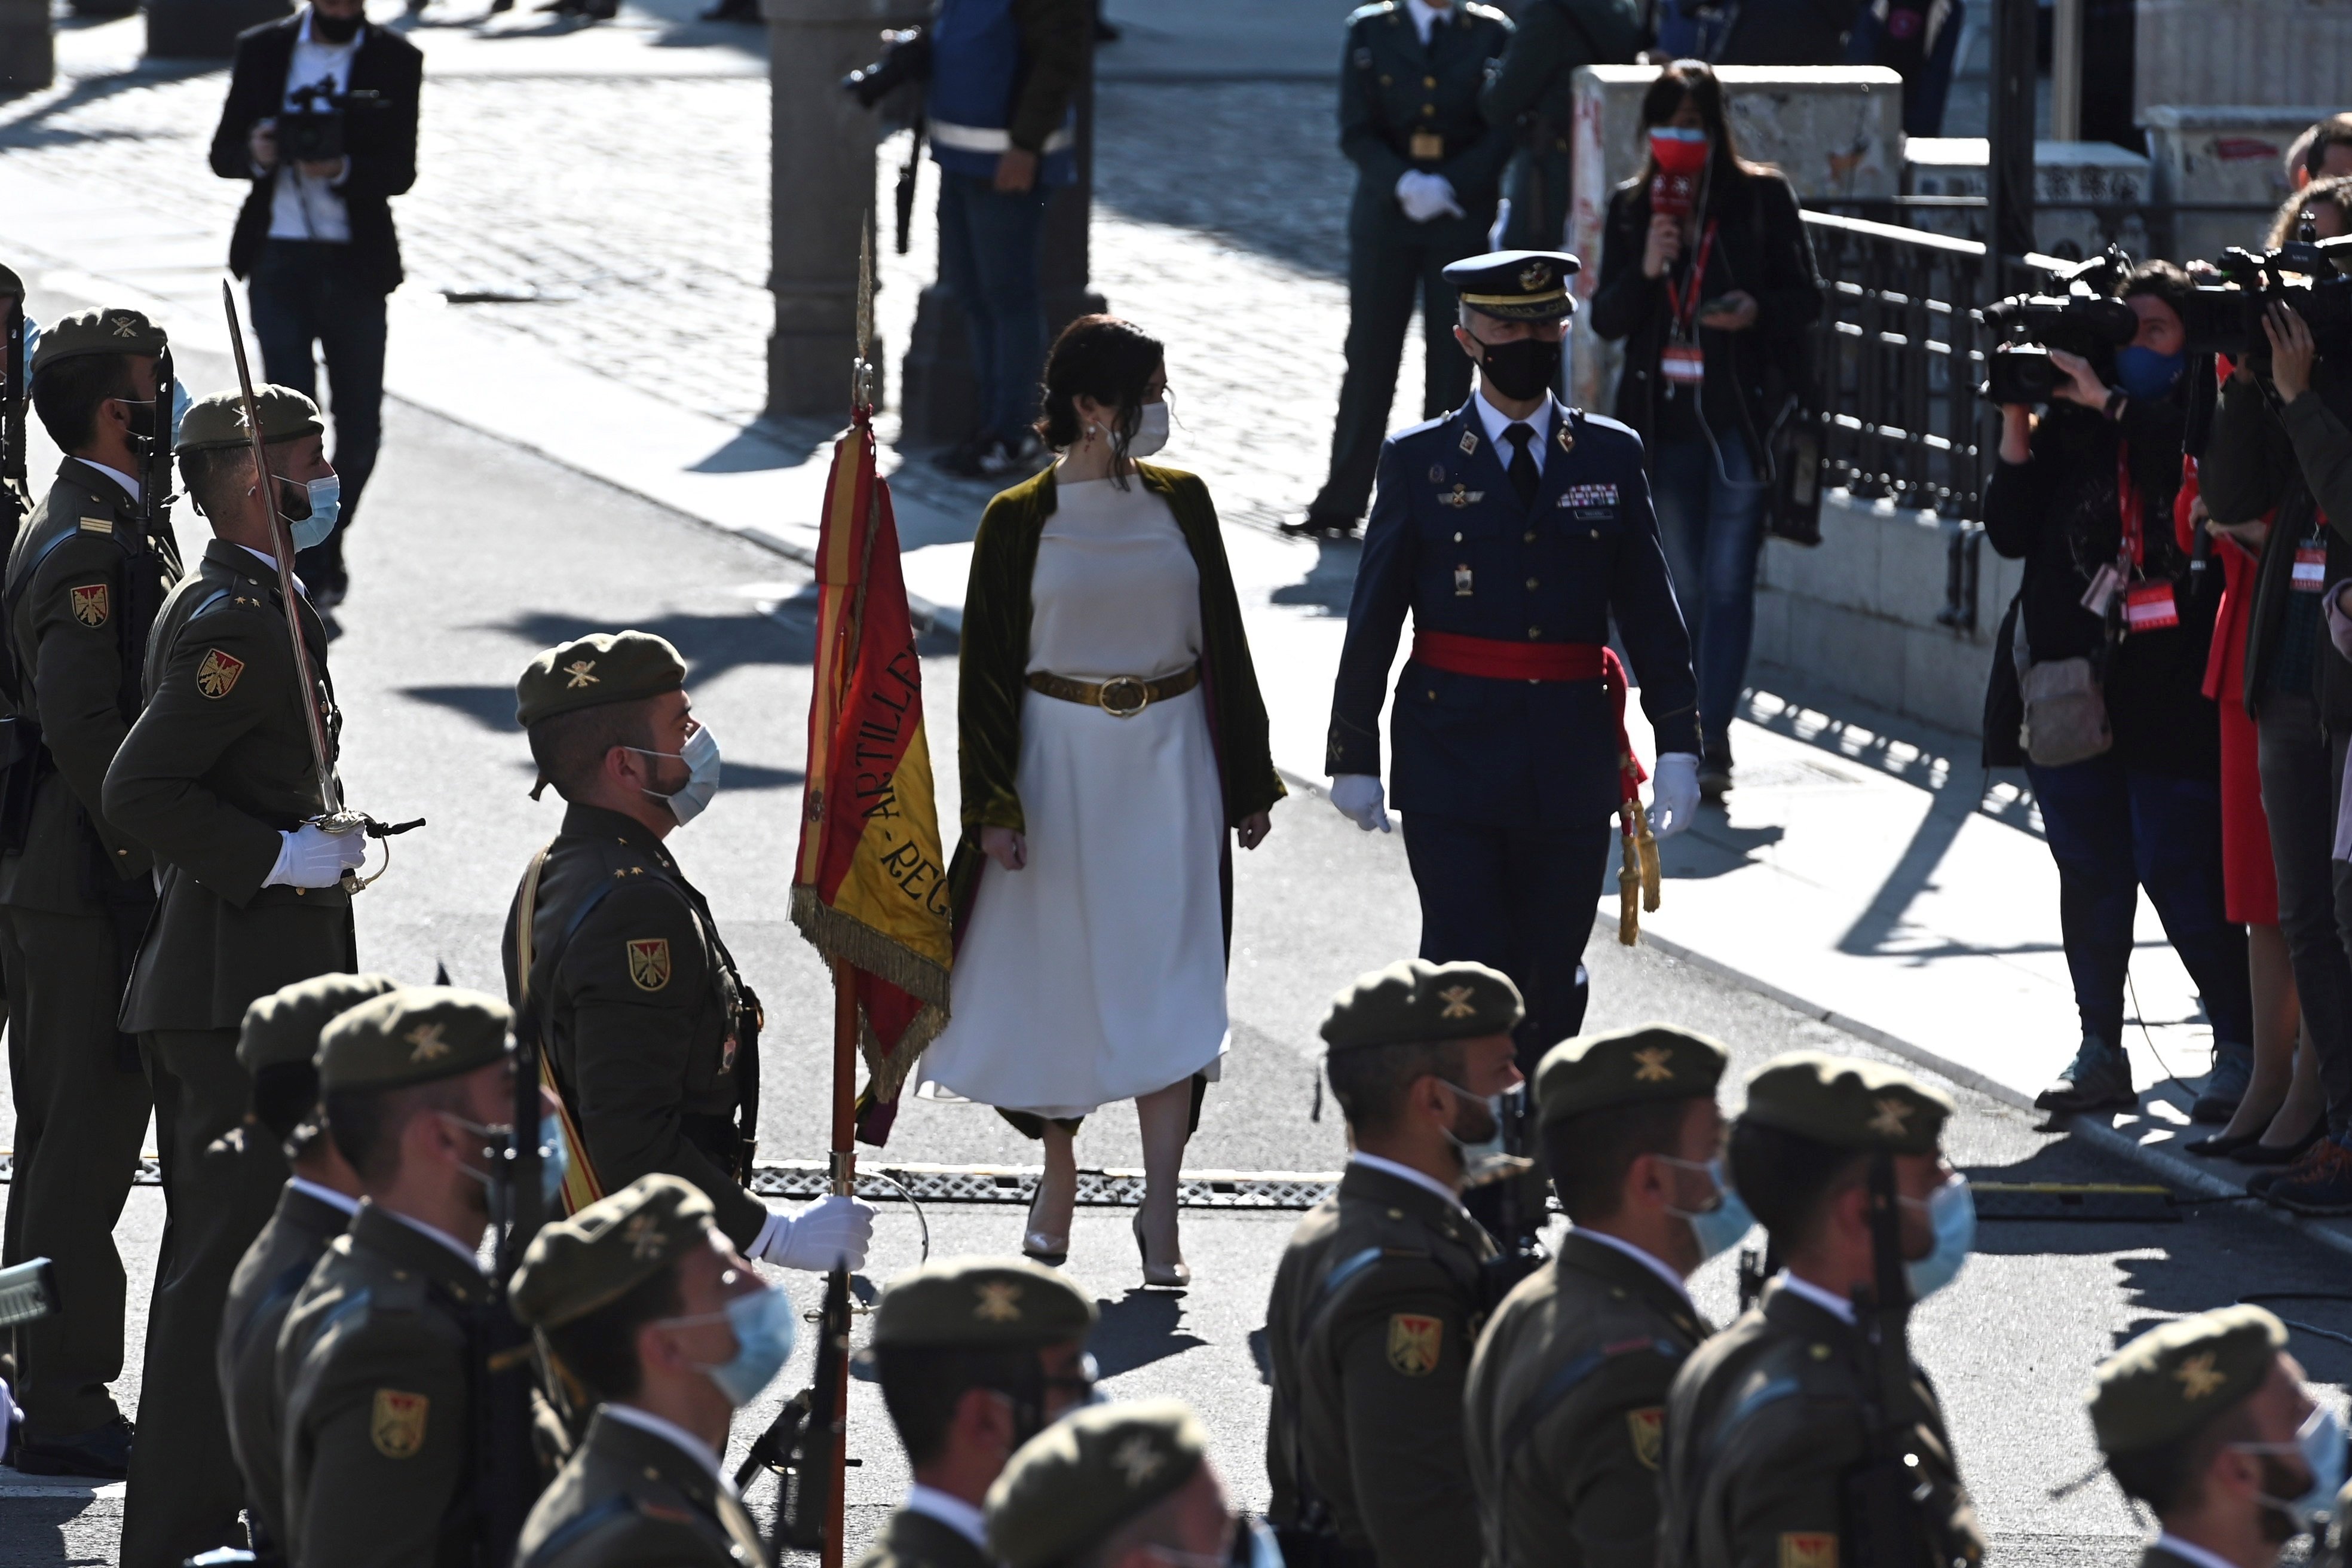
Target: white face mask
[(700, 755), (1151, 431)]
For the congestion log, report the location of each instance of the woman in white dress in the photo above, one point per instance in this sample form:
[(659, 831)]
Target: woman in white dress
[(1110, 736)]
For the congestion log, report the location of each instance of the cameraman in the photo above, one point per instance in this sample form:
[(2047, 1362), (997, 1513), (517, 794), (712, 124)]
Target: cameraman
[(2280, 441), (315, 237), (2084, 499)]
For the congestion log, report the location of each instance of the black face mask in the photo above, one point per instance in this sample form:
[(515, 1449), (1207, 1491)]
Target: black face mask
[(335, 29), (141, 418), (1521, 369)]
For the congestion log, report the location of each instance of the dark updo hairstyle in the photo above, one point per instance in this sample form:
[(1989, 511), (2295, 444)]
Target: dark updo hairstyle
[(2335, 192), (1111, 360), (1696, 81)]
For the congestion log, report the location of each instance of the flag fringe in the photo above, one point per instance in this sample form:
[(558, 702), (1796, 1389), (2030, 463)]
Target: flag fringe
[(885, 1075), (838, 935)]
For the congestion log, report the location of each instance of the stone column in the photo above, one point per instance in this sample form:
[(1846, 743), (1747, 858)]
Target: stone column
[(29, 56), (820, 190)]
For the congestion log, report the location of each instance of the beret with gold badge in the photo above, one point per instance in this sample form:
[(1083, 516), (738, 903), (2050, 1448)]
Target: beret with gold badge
[(2171, 1381), (609, 1248), (1073, 1484), (285, 1026), (1847, 1103), (1415, 1002), (1626, 1067), (418, 1033), (592, 671), (217, 421)]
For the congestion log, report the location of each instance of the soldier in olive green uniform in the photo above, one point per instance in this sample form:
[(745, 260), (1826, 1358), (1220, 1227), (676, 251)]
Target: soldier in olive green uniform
[(613, 963), (974, 1357), (1534, 93), (1566, 1403), (1767, 1421), (277, 1048), (216, 778), (84, 581), (1382, 1293), (2207, 1421), (641, 1299), (1428, 168), (1115, 1486), (378, 1353)]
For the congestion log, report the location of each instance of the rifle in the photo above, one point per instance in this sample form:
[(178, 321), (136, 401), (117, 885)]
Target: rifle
[(506, 1474), (1506, 1194), (1882, 1512)]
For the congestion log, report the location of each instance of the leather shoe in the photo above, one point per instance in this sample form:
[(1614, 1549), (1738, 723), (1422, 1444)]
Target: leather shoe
[(103, 1453), (2280, 1155), (2098, 1079), (2220, 1145)]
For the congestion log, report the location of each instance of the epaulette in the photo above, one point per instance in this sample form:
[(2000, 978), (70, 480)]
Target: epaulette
[(1488, 14), (226, 599), (1366, 13)]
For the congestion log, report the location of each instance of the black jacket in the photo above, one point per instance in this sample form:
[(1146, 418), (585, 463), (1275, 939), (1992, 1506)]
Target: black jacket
[(2058, 512), (1760, 247), (381, 138)]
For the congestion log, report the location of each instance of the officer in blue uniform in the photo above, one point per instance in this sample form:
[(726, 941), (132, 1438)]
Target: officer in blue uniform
[(1512, 530)]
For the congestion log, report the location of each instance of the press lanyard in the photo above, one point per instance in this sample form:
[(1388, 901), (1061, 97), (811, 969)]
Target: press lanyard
[(1683, 302), (2148, 606)]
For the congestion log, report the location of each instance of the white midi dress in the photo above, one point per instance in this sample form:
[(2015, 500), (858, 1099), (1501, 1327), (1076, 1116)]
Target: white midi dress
[(1097, 972)]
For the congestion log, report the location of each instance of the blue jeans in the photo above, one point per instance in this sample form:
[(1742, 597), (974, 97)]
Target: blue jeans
[(1712, 525), (304, 292), (990, 242), (2114, 830)]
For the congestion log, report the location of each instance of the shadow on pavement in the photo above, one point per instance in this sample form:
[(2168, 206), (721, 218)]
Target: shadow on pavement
[(1139, 1329)]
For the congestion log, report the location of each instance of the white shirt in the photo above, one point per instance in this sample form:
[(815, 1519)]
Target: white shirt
[(952, 1511), (1425, 17), (1843, 1311), (1640, 1257), (443, 1236), (328, 1195), (1496, 422), (676, 1436), (303, 207), (2168, 1542), (1406, 1172), (116, 475)]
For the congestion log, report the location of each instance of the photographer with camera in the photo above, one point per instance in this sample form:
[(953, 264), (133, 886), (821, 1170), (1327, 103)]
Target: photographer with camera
[(321, 117), (2280, 446), (2098, 672)]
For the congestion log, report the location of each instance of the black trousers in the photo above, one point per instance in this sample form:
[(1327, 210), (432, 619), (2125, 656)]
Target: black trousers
[(307, 293), (184, 1493), (2301, 766), (81, 1114)]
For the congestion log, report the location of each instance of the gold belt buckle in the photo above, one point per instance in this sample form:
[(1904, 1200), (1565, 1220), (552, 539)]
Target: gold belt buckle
[(1426, 147), (1120, 710)]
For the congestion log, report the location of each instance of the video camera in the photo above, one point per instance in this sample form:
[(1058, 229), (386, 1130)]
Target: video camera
[(2078, 321), (905, 61), (314, 131), (2226, 318)]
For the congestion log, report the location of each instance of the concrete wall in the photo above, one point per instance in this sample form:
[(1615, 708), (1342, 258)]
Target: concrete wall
[(1857, 612), (2239, 51), (2062, 172), (2224, 153)]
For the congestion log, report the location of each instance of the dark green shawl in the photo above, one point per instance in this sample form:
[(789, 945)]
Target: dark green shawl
[(994, 668)]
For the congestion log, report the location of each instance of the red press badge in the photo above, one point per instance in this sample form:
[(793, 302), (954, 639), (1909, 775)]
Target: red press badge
[(2310, 566), (2149, 607), (1682, 363)]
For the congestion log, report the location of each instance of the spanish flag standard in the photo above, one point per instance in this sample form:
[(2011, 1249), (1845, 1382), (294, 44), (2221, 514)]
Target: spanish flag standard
[(871, 887)]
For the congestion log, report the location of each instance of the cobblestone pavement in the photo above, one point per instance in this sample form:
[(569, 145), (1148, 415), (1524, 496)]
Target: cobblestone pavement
[(631, 211)]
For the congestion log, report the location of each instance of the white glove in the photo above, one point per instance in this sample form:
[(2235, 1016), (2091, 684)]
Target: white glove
[(830, 1232), (1424, 196), (1358, 798), (1673, 792), (313, 857)]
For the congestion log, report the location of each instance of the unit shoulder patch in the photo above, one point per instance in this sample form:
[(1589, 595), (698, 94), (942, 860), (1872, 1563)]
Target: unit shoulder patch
[(397, 1425), (649, 965), (1647, 1428), (216, 673), (1415, 1342), (91, 603), (1802, 1549)]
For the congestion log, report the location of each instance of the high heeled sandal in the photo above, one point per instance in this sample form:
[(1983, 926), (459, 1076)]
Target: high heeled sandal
[(1171, 1276)]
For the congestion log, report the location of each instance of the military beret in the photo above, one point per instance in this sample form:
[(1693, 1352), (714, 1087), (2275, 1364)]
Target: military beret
[(112, 330), (218, 421), (418, 1033), (1418, 1003), (1626, 1067), (2172, 1379), (1847, 1103), (284, 1026), (983, 1304), (590, 671), (1517, 285), (1071, 1484), (609, 1248)]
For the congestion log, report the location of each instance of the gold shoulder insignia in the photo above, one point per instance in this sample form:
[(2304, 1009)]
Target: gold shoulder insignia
[(398, 1426), (98, 525)]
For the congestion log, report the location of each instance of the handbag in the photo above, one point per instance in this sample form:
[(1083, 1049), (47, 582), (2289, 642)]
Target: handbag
[(1793, 449), (2065, 706)]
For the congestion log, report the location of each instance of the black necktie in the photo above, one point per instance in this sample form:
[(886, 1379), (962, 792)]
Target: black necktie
[(1523, 474)]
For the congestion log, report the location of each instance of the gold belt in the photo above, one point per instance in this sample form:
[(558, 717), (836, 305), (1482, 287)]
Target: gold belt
[(1122, 696)]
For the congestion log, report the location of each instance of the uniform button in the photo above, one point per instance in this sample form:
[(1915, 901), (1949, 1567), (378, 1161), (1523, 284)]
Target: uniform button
[(400, 1273), (300, 891), (1431, 695), (1386, 78), (1535, 631), (1617, 1293), (1821, 1353), (1458, 538), (123, 852), (1596, 533), (1396, 1214), (1531, 536), (1429, 81), (1427, 109), (1531, 582)]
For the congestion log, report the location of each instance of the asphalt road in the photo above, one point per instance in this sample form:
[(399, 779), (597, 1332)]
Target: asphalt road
[(471, 554)]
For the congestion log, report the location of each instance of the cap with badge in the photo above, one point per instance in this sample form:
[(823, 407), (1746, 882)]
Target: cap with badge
[(284, 1027), (1071, 1484), (2168, 1384), (418, 1033), (1517, 285), (609, 1248), (981, 1304), (1626, 1067), (590, 671), (218, 421), (1847, 1103), (114, 329), (1416, 1002)]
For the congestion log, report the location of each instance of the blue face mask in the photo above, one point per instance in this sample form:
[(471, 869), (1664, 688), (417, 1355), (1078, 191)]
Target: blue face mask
[(2146, 373), (764, 1328), (554, 1161), (1723, 1225), (1952, 1212), (326, 503)]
